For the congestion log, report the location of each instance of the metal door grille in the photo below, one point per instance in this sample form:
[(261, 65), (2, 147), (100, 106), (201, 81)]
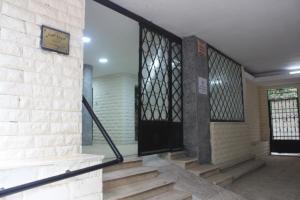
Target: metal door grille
[(176, 82), (155, 88), (160, 86), (225, 87), (285, 119)]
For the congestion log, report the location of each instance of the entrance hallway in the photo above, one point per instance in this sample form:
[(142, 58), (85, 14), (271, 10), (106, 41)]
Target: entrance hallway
[(278, 180)]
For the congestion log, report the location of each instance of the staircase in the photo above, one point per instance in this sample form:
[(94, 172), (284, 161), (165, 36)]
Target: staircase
[(131, 180), (221, 175)]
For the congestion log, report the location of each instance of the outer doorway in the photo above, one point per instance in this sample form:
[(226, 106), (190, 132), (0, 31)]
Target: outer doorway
[(284, 120)]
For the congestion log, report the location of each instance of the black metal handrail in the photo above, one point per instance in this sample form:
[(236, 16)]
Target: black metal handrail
[(69, 174)]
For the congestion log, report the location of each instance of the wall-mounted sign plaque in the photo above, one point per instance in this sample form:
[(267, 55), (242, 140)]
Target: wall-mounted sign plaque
[(201, 48), (55, 40)]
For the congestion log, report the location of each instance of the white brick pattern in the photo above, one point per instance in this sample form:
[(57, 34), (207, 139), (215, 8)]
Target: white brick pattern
[(114, 105), (40, 92)]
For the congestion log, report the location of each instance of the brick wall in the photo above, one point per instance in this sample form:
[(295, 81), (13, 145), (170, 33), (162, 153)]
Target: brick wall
[(114, 105), (40, 91), (237, 140)]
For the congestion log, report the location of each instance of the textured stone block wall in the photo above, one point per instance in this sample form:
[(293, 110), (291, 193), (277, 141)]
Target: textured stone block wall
[(83, 187), (40, 92), (114, 104)]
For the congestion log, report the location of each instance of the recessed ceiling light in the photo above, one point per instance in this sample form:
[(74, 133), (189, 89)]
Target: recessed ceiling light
[(295, 72), (86, 39), (103, 60), (294, 67)]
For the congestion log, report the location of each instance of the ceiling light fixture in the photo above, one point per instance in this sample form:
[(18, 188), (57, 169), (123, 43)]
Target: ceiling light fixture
[(295, 72), (103, 60), (294, 67), (86, 39)]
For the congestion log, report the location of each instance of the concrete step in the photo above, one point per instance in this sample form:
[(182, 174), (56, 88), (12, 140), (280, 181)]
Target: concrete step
[(185, 162), (173, 155), (127, 176), (173, 195), (221, 179), (205, 170), (140, 191), (129, 163), (244, 168), (232, 163)]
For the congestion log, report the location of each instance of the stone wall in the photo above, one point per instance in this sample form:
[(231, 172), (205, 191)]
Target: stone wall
[(40, 99), (40, 92)]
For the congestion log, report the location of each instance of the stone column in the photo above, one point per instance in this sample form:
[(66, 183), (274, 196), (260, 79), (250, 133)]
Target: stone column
[(87, 122), (196, 99)]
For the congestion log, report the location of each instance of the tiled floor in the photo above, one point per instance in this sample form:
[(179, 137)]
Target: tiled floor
[(279, 180)]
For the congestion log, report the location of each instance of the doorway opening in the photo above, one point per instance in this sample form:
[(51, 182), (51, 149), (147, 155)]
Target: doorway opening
[(133, 79), (284, 120), (111, 63)]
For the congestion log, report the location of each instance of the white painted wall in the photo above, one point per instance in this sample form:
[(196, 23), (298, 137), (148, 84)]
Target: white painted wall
[(114, 105)]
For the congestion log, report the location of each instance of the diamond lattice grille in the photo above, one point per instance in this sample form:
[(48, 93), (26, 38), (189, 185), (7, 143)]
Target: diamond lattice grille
[(226, 88), (155, 78), (161, 77), (176, 82)]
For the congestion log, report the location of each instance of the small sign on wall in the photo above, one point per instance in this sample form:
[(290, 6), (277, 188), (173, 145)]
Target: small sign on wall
[(202, 85), (55, 40), (201, 48)]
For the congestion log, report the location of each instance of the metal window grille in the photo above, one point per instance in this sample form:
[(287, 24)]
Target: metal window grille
[(226, 87), (161, 81)]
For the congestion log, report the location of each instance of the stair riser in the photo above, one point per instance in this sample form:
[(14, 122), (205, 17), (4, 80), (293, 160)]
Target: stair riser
[(210, 173), (252, 169), (108, 185), (177, 155), (150, 193), (121, 166), (190, 164), (225, 182)]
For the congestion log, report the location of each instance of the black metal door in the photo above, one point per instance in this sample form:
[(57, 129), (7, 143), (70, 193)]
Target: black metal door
[(160, 87), (284, 121)]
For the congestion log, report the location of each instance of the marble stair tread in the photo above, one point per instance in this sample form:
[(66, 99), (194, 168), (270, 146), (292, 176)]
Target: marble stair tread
[(172, 195), (147, 188), (185, 162), (126, 164), (244, 168), (124, 173), (199, 169)]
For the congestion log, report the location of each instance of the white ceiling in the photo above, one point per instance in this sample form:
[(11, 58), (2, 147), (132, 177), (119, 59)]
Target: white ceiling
[(113, 36), (263, 35)]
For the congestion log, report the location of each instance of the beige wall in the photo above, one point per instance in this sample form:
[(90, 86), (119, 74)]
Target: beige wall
[(238, 140)]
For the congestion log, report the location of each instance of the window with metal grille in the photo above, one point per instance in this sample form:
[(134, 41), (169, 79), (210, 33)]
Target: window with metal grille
[(161, 77), (225, 87)]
